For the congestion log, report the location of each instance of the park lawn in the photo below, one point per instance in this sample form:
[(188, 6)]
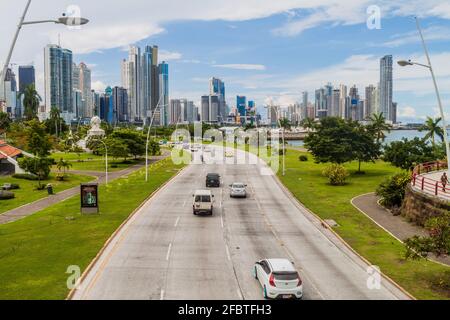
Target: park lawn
[(28, 193), (35, 252), (90, 162), (423, 279)]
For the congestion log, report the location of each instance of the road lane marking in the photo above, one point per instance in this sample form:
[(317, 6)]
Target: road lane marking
[(162, 294), (168, 252), (221, 221), (228, 252), (176, 222), (184, 203)]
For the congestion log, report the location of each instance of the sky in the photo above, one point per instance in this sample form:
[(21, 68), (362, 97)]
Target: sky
[(269, 51)]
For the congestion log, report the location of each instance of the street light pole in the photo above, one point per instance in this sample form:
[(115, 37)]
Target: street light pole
[(404, 63), (441, 109)]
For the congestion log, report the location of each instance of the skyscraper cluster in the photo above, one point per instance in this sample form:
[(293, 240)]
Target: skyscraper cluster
[(348, 103), (213, 105), (147, 85)]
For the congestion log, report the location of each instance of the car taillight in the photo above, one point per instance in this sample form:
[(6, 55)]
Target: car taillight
[(272, 280), (299, 282)]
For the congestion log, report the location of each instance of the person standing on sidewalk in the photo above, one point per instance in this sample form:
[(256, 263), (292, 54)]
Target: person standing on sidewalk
[(444, 181)]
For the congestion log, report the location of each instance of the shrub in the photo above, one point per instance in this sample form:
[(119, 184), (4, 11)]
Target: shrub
[(26, 176), (11, 186), (6, 195), (337, 174), (392, 190), (303, 158), (114, 166)]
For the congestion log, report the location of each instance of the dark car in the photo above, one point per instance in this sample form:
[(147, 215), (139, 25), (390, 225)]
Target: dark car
[(213, 180)]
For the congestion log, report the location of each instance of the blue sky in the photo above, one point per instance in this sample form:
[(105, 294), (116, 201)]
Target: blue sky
[(264, 50)]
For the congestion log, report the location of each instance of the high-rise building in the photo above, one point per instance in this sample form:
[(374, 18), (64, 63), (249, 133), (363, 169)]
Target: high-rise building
[(241, 105), (217, 87), (343, 101), (95, 101), (335, 101), (81, 79), (175, 112), (58, 81), (77, 103), (164, 93), (8, 92), (120, 103), (304, 107), (394, 113), (386, 87), (354, 103), (204, 109), (369, 102), (321, 110), (147, 67), (27, 77)]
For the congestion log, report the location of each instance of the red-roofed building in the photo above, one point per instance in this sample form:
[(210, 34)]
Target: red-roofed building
[(8, 158)]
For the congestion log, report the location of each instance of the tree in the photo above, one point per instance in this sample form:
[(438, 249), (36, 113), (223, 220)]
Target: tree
[(31, 102), (433, 129), (38, 166), (153, 148), (332, 141), (308, 124), (5, 122), (38, 141), (117, 148), (55, 118), (392, 190), (285, 124), (63, 165), (365, 148), (379, 126), (406, 154), (134, 141), (437, 243)]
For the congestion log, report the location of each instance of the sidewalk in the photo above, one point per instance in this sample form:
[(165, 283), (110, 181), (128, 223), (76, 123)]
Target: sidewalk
[(397, 226), (39, 205)]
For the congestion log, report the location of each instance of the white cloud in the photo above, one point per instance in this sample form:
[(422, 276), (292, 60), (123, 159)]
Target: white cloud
[(407, 112), (434, 33), (169, 56), (258, 67), (98, 86)]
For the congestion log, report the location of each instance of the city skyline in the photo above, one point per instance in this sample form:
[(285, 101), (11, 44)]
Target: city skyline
[(251, 66)]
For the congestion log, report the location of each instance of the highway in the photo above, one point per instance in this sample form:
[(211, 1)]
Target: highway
[(165, 252)]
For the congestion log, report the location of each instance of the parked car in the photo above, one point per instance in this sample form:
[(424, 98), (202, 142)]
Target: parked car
[(238, 190), (203, 202), (279, 279), (213, 180)]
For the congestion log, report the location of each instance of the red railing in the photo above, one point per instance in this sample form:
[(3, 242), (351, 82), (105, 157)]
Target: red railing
[(429, 185)]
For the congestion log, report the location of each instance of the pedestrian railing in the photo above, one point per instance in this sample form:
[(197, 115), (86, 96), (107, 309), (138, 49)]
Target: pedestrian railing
[(429, 185)]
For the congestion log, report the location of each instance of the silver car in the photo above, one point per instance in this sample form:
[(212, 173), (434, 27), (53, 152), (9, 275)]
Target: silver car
[(238, 190)]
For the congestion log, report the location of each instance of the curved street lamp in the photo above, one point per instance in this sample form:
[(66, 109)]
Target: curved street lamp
[(405, 63), (68, 21)]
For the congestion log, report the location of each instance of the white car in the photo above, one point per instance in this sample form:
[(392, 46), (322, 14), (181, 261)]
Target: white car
[(279, 279), (203, 202), (238, 190)]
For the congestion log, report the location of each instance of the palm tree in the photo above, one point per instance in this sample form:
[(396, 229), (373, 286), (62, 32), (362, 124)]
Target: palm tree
[(63, 165), (31, 99), (434, 129), (379, 126), (308, 124), (55, 117), (285, 124)]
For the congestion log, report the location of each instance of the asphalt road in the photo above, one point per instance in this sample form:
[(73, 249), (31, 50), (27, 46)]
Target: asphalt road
[(165, 252)]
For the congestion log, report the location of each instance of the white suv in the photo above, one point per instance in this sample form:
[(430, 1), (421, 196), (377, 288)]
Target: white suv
[(203, 202), (279, 279)]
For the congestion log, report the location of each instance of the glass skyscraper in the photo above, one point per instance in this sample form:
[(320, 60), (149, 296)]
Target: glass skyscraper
[(26, 77), (164, 92), (58, 81), (386, 87)]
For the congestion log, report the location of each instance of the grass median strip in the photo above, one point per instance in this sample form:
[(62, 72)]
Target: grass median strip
[(28, 193), (35, 252), (423, 279)]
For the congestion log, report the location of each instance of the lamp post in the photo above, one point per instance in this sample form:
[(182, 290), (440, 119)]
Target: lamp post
[(148, 137), (404, 63), (106, 160), (277, 110), (68, 21)]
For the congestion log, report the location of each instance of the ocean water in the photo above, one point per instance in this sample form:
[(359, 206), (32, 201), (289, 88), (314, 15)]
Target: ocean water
[(395, 135)]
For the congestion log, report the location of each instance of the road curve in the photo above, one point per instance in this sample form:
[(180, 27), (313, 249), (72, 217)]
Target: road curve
[(165, 252)]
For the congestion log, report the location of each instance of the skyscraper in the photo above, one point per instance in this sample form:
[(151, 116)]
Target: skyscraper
[(26, 77), (217, 87), (343, 101), (241, 105), (147, 67), (164, 92), (369, 102), (120, 103), (204, 108), (58, 81), (386, 87), (335, 101), (304, 107), (175, 112), (321, 103)]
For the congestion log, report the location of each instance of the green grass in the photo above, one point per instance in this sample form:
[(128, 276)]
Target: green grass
[(91, 162), (36, 251), (28, 193), (423, 279)]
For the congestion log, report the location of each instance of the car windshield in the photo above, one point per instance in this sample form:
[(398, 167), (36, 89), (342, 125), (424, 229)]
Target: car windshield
[(285, 276), (213, 176), (202, 198), (238, 186)]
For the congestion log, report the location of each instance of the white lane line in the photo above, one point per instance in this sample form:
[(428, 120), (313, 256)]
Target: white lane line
[(176, 222), (162, 294), (228, 253), (184, 203), (168, 252), (221, 221)]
